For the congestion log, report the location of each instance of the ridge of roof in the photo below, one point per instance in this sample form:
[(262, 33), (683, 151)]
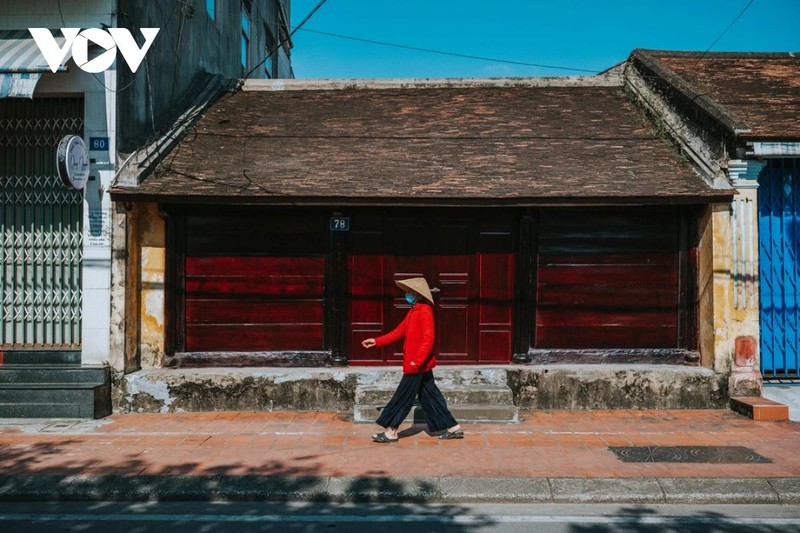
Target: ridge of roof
[(719, 55), (613, 79), (650, 59)]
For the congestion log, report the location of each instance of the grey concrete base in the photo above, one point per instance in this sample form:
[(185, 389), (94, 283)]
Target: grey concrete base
[(388, 489), (473, 394), (466, 413), (551, 386), (733, 490), (610, 490)]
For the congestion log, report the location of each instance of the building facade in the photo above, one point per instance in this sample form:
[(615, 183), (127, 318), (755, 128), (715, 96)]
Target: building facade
[(56, 249), (736, 117), (559, 225)]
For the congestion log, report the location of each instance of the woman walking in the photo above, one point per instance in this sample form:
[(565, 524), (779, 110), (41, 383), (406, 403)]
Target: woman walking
[(418, 363)]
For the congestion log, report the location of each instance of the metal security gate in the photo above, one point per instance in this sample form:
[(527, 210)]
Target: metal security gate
[(779, 267), (40, 226)]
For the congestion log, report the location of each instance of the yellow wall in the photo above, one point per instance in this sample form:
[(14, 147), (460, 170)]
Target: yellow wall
[(146, 271), (729, 322)]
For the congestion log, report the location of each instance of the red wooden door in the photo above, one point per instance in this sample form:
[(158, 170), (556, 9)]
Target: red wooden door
[(608, 279), (253, 282), (472, 268)]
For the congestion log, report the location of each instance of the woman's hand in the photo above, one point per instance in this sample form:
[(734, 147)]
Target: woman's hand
[(368, 343)]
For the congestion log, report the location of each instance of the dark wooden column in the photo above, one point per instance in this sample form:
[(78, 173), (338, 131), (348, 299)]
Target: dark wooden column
[(688, 282), (175, 278), (523, 308), (336, 304)]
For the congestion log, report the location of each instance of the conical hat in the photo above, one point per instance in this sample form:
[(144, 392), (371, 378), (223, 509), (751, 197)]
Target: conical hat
[(418, 285)]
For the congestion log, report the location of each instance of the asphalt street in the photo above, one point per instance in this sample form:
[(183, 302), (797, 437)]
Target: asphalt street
[(179, 517)]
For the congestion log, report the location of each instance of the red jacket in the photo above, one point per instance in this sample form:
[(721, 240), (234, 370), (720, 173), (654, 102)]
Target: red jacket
[(417, 327)]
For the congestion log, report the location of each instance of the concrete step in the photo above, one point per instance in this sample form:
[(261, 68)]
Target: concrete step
[(760, 408), (464, 413), (472, 394), (53, 391), (47, 393), (96, 375), (47, 410), (40, 357), (446, 376), (454, 395)]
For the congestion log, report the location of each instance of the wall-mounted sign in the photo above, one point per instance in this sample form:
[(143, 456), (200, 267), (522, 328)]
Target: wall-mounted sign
[(72, 161), (340, 224), (98, 144)]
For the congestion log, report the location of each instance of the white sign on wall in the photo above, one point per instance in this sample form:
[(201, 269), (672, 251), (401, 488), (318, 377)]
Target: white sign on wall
[(72, 161)]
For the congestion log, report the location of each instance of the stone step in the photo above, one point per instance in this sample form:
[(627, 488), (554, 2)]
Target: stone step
[(40, 357), (454, 395), (47, 410), (760, 408), (53, 374), (47, 393), (446, 376), (464, 413)]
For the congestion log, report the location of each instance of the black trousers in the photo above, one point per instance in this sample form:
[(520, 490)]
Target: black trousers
[(438, 415)]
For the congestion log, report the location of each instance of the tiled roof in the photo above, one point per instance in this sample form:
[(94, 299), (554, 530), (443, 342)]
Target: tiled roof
[(438, 145), (759, 90)]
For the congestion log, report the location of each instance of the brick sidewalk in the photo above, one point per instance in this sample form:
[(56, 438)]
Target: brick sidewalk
[(560, 444)]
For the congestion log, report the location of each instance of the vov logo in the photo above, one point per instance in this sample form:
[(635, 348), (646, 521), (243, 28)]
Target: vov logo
[(110, 39)]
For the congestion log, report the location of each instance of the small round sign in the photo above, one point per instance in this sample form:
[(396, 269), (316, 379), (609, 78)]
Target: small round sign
[(72, 161)]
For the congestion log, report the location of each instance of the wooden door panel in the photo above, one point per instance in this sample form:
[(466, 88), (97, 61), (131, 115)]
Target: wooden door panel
[(608, 279), (494, 345), (366, 283), (472, 312), (253, 337)]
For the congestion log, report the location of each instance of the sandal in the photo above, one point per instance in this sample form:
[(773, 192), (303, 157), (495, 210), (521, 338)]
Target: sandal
[(382, 438), (454, 435)]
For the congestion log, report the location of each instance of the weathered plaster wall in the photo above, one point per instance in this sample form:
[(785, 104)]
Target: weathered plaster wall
[(151, 230), (531, 387), (120, 359), (723, 301), (615, 387), (732, 320), (228, 389), (137, 306)]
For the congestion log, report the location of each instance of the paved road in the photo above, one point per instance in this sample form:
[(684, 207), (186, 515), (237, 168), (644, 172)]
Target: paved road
[(177, 517)]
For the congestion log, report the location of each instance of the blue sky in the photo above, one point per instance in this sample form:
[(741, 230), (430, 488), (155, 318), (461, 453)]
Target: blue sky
[(581, 34)]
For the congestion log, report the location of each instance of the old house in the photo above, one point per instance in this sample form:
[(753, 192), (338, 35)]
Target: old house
[(561, 225)]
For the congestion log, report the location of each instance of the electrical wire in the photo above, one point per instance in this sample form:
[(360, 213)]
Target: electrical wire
[(452, 54), (283, 41), (729, 27)]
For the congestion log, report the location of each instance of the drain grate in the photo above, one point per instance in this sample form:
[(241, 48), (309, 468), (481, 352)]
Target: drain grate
[(687, 454)]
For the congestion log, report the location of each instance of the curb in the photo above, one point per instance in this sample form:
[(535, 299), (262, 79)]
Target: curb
[(400, 489)]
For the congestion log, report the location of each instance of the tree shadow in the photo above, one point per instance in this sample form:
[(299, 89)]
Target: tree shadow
[(638, 519), (401, 503)]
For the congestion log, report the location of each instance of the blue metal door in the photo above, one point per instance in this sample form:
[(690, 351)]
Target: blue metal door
[(779, 267)]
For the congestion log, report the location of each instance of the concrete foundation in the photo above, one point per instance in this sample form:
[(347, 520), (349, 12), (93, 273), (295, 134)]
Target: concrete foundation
[(532, 387)]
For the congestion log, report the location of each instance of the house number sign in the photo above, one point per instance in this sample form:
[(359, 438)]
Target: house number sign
[(340, 223)]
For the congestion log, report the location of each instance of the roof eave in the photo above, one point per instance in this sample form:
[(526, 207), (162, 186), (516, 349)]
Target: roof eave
[(712, 196)]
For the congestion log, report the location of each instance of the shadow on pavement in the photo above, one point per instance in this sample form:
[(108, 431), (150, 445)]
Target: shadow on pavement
[(638, 520)]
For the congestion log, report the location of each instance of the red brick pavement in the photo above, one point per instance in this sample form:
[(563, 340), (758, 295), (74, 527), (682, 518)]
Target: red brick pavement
[(544, 444)]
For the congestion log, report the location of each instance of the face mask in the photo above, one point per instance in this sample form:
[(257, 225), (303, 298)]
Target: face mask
[(410, 298)]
